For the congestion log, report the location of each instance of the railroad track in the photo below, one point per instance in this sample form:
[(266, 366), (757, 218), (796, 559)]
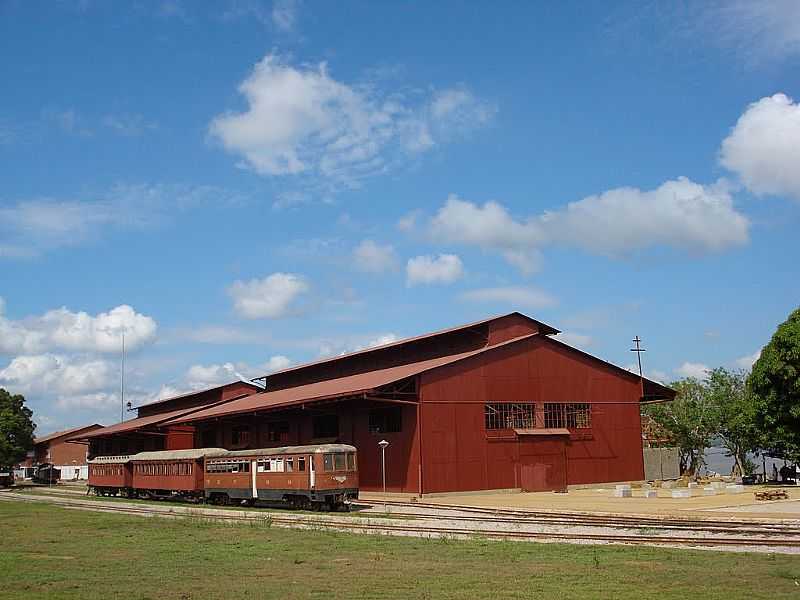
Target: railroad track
[(379, 525), (599, 519), (515, 517)]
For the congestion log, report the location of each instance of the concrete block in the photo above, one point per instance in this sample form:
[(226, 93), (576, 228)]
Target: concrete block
[(622, 486), (682, 493), (650, 494), (668, 485), (709, 490), (623, 493), (692, 484), (734, 488), (718, 485)]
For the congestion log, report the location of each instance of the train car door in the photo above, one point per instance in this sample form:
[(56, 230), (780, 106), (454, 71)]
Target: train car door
[(253, 471), (312, 471)]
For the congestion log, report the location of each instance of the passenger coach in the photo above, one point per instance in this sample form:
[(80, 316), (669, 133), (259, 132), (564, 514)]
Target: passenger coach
[(321, 477)]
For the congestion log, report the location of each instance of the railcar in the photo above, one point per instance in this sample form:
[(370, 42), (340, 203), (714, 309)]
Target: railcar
[(46, 473), (110, 476), (6, 477), (170, 473), (321, 477)]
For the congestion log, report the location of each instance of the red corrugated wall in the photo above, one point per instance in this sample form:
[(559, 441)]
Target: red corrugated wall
[(460, 456)]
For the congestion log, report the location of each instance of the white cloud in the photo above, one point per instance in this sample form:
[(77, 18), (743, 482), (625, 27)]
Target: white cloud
[(445, 268), (764, 147), (95, 401), (203, 376), (746, 362), (652, 374), (578, 340), (34, 226), (269, 298), (56, 374), (300, 120), (62, 328), (408, 222), (374, 258), (679, 214), (284, 14), (696, 370), (128, 125), (759, 30), (515, 296)]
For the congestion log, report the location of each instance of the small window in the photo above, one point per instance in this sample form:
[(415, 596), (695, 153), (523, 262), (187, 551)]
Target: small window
[(386, 420), (351, 461), (208, 439), (326, 426), (509, 415), (289, 465), (278, 431), (301, 463), (240, 435), (327, 461), (340, 462)]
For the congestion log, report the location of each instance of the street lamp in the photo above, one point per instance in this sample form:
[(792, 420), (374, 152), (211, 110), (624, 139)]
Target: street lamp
[(383, 445)]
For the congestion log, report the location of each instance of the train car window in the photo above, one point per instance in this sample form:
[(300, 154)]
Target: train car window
[(351, 461), (301, 463), (278, 465), (263, 466), (244, 467), (289, 465), (327, 462), (340, 461)]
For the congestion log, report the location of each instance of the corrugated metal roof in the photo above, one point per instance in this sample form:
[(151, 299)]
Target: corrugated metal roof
[(544, 329), (313, 449), (191, 454), (198, 392), (333, 388), (65, 432), (139, 423)]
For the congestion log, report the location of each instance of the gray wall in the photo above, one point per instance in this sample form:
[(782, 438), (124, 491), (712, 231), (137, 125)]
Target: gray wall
[(661, 463)]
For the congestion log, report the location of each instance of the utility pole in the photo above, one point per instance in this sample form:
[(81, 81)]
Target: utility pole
[(639, 351)]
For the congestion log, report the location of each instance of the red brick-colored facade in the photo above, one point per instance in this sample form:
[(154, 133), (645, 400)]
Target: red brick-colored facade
[(436, 414)]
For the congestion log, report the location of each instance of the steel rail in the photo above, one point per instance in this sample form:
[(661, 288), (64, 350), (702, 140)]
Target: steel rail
[(408, 529)]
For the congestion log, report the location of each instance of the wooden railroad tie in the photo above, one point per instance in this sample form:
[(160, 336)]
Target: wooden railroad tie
[(772, 495)]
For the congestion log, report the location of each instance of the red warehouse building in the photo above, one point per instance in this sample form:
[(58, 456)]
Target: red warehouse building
[(497, 404), (55, 448)]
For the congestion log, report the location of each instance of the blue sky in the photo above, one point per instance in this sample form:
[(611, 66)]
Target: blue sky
[(239, 186)]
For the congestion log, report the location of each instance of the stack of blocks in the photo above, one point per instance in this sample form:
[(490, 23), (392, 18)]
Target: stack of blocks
[(650, 494), (735, 488), (682, 493), (623, 491)]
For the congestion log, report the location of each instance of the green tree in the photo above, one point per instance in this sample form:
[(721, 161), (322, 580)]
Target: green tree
[(16, 428), (690, 421), (736, 416), (775, 382)]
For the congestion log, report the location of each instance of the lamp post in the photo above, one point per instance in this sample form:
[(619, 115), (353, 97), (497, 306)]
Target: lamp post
[(383, 445)]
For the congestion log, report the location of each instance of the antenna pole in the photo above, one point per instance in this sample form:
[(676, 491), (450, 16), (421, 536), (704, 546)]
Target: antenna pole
[(639, 350), (122, 382)]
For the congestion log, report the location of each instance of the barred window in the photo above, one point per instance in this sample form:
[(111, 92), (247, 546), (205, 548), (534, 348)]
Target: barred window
[(570, 416), (509, 416)]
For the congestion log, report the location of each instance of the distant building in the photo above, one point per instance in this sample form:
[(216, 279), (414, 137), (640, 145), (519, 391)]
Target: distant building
[(69, 457), (496, 404)]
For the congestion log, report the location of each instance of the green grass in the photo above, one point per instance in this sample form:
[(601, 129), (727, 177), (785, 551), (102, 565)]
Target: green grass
[(52, 552)]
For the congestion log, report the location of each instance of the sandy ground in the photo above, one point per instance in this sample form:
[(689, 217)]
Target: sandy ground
[(601, 500)]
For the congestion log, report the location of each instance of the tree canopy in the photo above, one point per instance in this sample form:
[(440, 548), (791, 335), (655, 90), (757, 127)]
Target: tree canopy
[(16, 428), (775, 382)]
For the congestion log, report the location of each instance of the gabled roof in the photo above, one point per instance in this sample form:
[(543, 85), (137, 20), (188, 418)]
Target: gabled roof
[(65, 433), (197, 393), (333, 388), (141, 422), (544, 329)]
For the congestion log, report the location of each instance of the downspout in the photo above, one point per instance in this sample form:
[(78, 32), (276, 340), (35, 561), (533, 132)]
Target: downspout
[(419, 434)]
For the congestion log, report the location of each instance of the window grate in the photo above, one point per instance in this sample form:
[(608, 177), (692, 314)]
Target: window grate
[(569, 416), (509, 416)]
